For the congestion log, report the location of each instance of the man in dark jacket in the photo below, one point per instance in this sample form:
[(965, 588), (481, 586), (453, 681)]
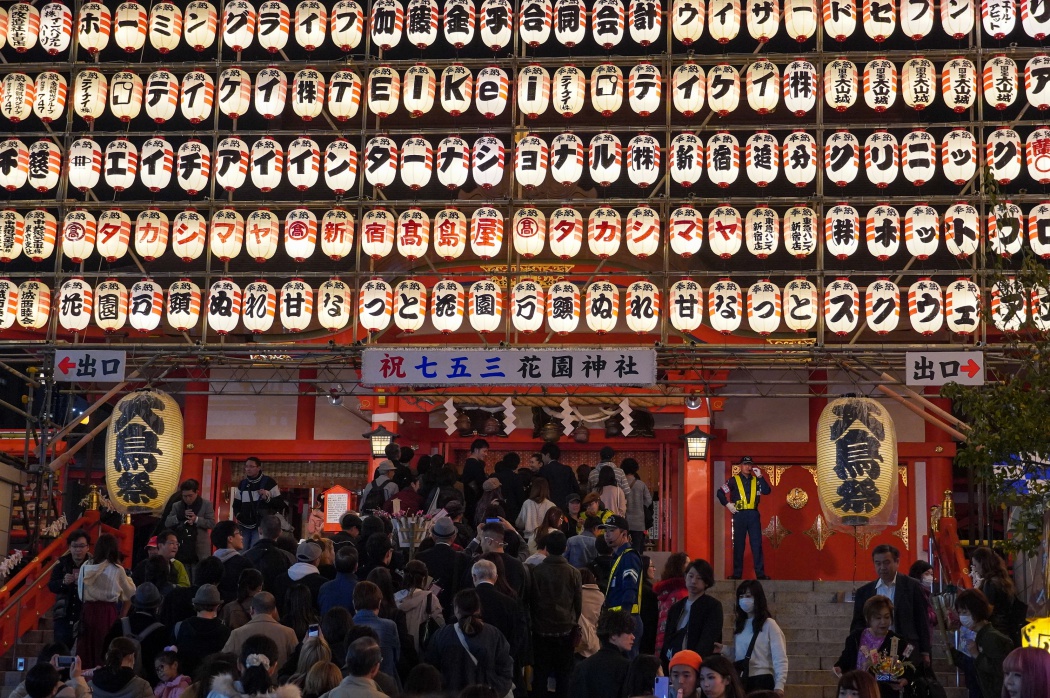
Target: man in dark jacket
[(473, 477), (340, 591), (265, 556), (510, 484), (192, 518), (555, 603), (63, 584), (560, 478), (603, 674), (228, 540), (502, 612), (624, 592), (304, 571), (202, 634), (257, 495), (178, 603), (493, 540), (350, 524), (910, 607), (445, 565), (143, 626)]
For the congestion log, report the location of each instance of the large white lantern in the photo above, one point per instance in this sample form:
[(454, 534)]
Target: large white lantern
[(200, 25), (231, 163), (188, 235), (156, 164), (644, 89), (497, 23), (533, 90), (686, 159), (919, 157), (725, 309), (529, 231), (226, 235), (23, 26), (344, 94), (238, 24), (151, 235), (1038, 230), (882, 231), (340, 166), (165, 27), (841, 84), (12, 234), (125, 95), (1003, 155), (763, 307), (570, 28), (384, 91), (567, 157), (413, 233), (535, 20), (687, 20), (800, 305), (688, 88), (800, 158), (50, 91), (337, 233), (34, 304), (296, 303), (962, 230), (94, 27), (1009, 305), (1000, 82), (882, 306), (685, 228), (56, 28), (1004, 228), (486, 232), (880, 84), (925, 307), (271, 92), (604, 232), (922, 231), (75, 302), (485, 306), (645, 21), (1036, 85), (450, 233), (8, 303), (725, 231), (45, 160), (642, 231), (602, 307), (262, 232), (723, 20), (183, 309), (962, 306), (723, 159), (568, 90), (959, 84), (380, 161), (841, 157), (800, 87), (303, 163), (447, 306), (605, 159), (377, 233), (566, 232), (723, 83), (881, 158), (459, 20), (417, 162), (333, 305), (919, 83), (311, 22), (259, 307), (763, 19), (40, 233), (308, 90), (917, 19), (762, 233), (422, 23), (530, 162), (841, 306), (78, 235), (527, 306), (121, 158), (840, 18), (161, 96), (145, 305), (348, 25), (130, 25), (453, 162), (90, 92), (642, 307), (880, 19), (563, 307), (193, 166), (491, 91), (410, 305), (800, 231), (959, 156), (800, 19), (224, 306), (300, 234), (267, 164), (643, 160), (456, 89), (19, 93), (687, 305), (111, 305), (85, 163), (762, 84), (488, 158), (842, 231), (957, 18)]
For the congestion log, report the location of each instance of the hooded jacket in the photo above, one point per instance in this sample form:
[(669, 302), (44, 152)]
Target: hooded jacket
[(413, 602), (119, 683), (104, 582), (225, 687), (196, 638)]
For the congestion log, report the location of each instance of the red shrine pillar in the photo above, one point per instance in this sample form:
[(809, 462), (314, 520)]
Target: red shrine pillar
[(697, 499), (384, 414), (195, 429)]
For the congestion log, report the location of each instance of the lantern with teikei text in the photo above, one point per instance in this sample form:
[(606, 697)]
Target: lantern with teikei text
[(333, 305), (763, 19), (49, 96), (300, 234), (1000, 82), (688, 88), (417, 162), (19, 94), (999, 17), (1009, 304), (1037, 155), (563, 307), (23, 26), (296, 302), (527, 305), (344, 95), (46, 160), (571, 26), (387, 23), (459, 20), (226, 235), (842, 231), (422, 29), (238, 24), (530, 162), (925, 307), (453, 162), (643, 160), (840, 18), (687, 20), (642, 307), (922, 231), (1003, 155), (762, 158), (271, 92), (447, 306), (723, 82), (762, 231), (959, 84), (962, 306), (882, 306), (156, 164), (311, 22), (90, 91), (8, 300), (94, 27), (111, 305), (145, 305), (608, 23), (725, 306), (161, 96), (841, 157), (800, 305), (763, 307), (308, 90), (602, 307), (491, 92), (723, 159), (384, 91), (1005, 227), (75, 302), (725, 231), (183, 307), (165, 28), (497, 23), (567, 168), (488, 159), (231, 163), (340, 166), (528, 231), (456, 87), (686, 159), (261, 235), (151, 235), (607, 88), (121, 158), (125, 95), (188, 235), (800, 231), (418, 90), (959, 156), (604, 232), (605, 159), (642, 231), (685, 228), (337, 233), (450, 233), (723, 20), (568, 90), (535, 20), (348, 25), (841, 84), (267, 164), (918, 83), (881, 158), (687, 305), (918, 157), (565, 232), (800, 19), (410, 305), (800, 87), (224, 306), (56, 28), (200, 25), (957, 17), (193, 166), (1039, 298), (413, 233), (34, 304), (841, 306), (882, 228), (645, 21), (880, 84), (962, 230), (800, 158), (1038, 230), (880, 19), (486, 232), (303, 163), (78, 235), (534, 90), (12, 234), (485, 306), (762, 85), (1036, 84), (15, 175), (377, 233)]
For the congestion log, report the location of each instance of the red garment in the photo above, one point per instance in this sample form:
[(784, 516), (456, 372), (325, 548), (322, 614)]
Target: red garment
[(410, 500), (96, 618), (668, 593)]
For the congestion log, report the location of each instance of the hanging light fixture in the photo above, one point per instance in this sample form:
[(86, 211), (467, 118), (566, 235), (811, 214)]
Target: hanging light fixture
[(380, 437), (696, 441)]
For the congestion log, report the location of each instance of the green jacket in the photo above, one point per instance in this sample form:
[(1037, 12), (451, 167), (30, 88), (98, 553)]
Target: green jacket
[(992, 648)]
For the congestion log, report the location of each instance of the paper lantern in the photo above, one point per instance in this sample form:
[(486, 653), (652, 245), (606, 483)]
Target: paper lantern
[(311, 22), (535, 21), (450, 233), (1000, 82), (19, 94), (125, 96), (925, 307), (922, 231), (880, 84), (643, 160), (271, 92), (527, 306), (1036, 84), (111, 305), (962, 230), (23, 26), (340, 166), (308, 90), (602, 307), (800, 19), (420, 86), (723, 20), (530, 162), (422, 23), (563, 308), (1038, 230), (882, 306), (1003, 155), (193, 166), (231, 163), (224, 306), (840, 18), (235, 92), (156, 164), (121, 164), (916, 19), (687, 305), (918, 157), (348, 25), (200, 25), (384, 91), (151, 235), (880, 19), (447, 306), (459, 21), (642, 307), (49, 96), (14, 174), (571, 26), (453, 162), (377, 233), (488, 158), (296, 303), (333, 305), (800, 87), (918, 83), (685, 229), (90, 89), (1004, 223), (75, 301), (145, 305), (762, 158), (78, 235), (534, 90), (161, 96), (881, 158), (8, 303), (763, 307), (44, 178), (410, 303), (529, 229), (840, 84), (957, 18), (417, 162), (568, 90), (723, 159), (608, 22), (762, 231), (259, 307), (959, 156), (131, 25), (267, 164), (303, 163), (567, 156), (959, 84), (41, 230), (642, 231), (1009, 305), (300, 234), (841, 306), (12, 234), (800, 231), (566, 232), (962, 306), (56, 28), (604, 232), (605, 159), (687, 20), (645, 21), (94, 26), (226, 234), (238, 24), (486, 232), (497, 23), (337, 233), (183, 309), (723, 83), (34, 304), (344, 95), (999, 17), (491, 92), (1039, 298), (165, 27), (1035, 24), (413, 233), (725, 231), (686, 158), (762, 84), (387, 23), (688, 88), (800, 158), (882, 228), (800, 305), (725, 306), (381, 161), (261, 234), (763, 19), (842, 231), (485, 306)]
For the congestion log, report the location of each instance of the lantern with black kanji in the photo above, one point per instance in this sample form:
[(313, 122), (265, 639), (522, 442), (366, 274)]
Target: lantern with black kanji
[(723, 159), (563, 307), (882, 228), (459, 20), (8, 302), (1000, 82), (49, 96), (529, 231), (762, 158), (145, 305), (143, 452), (111, 305), (447, 306), (90, 90), (12, 234), (485, 306), (527, 306), (377, 233), (762, 231), (41, 229), (15, 152), (74, 305), (296, 303), (687, 305), (308, 90), (56, 28), (841, 84), (800, 87), (800, 231), (486, 232), (686, 159), (568, 90), (23, 26), (183, 309), (535, 19)]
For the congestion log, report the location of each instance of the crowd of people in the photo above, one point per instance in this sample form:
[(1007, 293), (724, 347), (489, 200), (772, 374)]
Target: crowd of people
[(562, 601)]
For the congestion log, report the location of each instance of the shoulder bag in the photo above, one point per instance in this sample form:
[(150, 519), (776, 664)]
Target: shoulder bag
[(743, 666)]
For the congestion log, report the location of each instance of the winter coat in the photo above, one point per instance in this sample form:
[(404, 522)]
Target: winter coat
[(105, 582), (413, 602), (614, 500), (668, 593), (196, 638), (531, 516), (593, 600), (173, 688), (225, 687), (119, 683), (601, 675), (494, 667)]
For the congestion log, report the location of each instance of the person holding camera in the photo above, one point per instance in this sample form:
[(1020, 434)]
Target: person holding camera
[(192, 517)]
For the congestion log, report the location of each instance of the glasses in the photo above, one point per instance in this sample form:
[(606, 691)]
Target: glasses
[(79, 546)]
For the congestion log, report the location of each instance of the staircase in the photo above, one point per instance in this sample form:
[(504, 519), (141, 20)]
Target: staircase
[(815, 618), (31, 644)]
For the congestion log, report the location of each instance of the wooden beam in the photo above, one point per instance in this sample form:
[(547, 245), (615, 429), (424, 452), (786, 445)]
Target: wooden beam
[(955, 434), (57, 464)]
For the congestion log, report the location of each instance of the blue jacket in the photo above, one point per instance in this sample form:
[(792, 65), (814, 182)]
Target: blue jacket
[(338, 592), (580, 550), (389, 642), (624, 581), (729, 493)]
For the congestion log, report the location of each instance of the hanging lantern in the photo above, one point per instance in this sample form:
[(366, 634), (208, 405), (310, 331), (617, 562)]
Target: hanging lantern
[(643, 231), (387, 22), (417, 162), (567, 169), (311, 21), (488, 158), (200, 25), (413, 233), (527, 306), (687, 20), (78, 235), (1000, 82), (763, 19), (800, 305), (340, 166), (1009, 305), (227, 234), (957, 18), (491, 91), (922, 231), (840, 18), (685, 228), (337, 233), (34, 302), (40, 178), (1035, 24), (1040, 300), (90, 89), (111, 305), (563, 308), (14, 176), (763, 307), (384, 91), (1037, 155), (882, 306), (916, 19), (485, 306), (271, 92), (959, 156), (688, 88), (1038, 230), (12, 234), (344, 95), (840, 84), (300, 234), (841, 306), (456, 88), (686, 159), (1004, 228), (604, 232), (23, 26), (377, 233), (880, 19), (800, 87), (724, 306), (49, 96), (303, 163), (534, 91), (56, 28), (161, 95), (687, 305), (497, 23), (925, 307), (880, 84), (447, 306), (725, 231), (381, 156), (238, 24), (121, 158), (459, 21), (999, 17), (348, 25), (723, 20), (571, 27), (1003, 155), (842, 231), (94, 26), (125, 96), (605, 159), (643, 160), (145, 305), (608, 22), (333, 305), (450, 234), (183, 309), (918, 157), (188, 235), (151, 235), (296, 305), (165, 28), (261, 233), (723, 82), (607, 89), (486, 232), (918, 83), (158, 163), (881, 158), (40, 233), (566, 232), (763, 231), (419, 89), (224, 306), (308, 90), (529, 227), (962, 230), (602, 305), (959, 84), (231, 163), (530, 162), (882, 227), (762, 158), (453, 162), (410, 305), (642, 307), (19, 93), (645, 21), (131, 24), (800, 231), (800, 19), (762, 82), (422, 23), (267, 164), (569, 89), (535, 21), (962, 306), (75, 301), (723, 159), (193, 166), (1035, 82)]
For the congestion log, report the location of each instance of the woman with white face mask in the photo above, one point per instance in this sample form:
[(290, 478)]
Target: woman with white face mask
[(758, 647), (987, 649)]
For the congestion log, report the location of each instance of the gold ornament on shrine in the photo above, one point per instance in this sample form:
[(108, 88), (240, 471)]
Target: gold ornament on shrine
[(819, 532), (143, 452), (775, 532), (797, 498)]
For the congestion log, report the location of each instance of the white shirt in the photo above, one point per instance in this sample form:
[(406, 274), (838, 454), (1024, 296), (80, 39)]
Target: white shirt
[(683, 620), (885, 589), (769, 655)]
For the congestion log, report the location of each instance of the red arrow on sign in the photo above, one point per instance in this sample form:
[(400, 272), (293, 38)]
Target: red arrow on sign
[(66, 364), (971, 368)]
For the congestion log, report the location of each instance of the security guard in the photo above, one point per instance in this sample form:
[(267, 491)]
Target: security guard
[(624, 592), (740, 495)]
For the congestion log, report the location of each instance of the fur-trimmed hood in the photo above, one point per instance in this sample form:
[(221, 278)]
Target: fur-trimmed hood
[(223, 686)]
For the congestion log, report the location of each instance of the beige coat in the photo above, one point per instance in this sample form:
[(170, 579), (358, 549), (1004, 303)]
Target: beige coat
[(264, 625), (593, 599)]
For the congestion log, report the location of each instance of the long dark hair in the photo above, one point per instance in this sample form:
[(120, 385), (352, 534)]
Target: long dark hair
[(299, 613), (761, 606), (106, 550), (467, 605), (720, 665), (256, 679), (381, 577), (251, 580), (993, 569), (675, 566)]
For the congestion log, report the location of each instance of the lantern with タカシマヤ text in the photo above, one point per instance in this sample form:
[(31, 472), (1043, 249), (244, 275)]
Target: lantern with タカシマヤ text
[(188, 235), (151, 235), (486, 232), (725, 231), (642, 231), (685, 228), (565, 232), (226, 235)]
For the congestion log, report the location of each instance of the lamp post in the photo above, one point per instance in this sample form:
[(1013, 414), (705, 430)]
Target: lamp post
[(696, 440), (380, 438)]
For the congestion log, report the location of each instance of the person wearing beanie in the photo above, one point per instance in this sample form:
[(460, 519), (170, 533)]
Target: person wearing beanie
[(603, 673), (684, 671), (304, 571), (204, 633)]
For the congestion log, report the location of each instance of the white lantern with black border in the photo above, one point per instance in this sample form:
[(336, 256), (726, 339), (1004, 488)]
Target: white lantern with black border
[(763, 307), (725, 231), (226, 234), (450, 233), (565, 232), (685, 228)]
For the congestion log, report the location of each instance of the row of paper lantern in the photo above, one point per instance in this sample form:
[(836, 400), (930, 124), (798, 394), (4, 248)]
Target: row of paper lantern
[(418, 22), (412, 233), (456, 89), (765, 306), (455, 162)]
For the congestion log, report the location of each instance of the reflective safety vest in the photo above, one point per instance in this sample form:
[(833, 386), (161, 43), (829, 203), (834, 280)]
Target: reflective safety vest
[(746, 501), (635, 608)]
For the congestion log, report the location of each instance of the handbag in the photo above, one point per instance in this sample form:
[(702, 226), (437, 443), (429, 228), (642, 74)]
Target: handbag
[(743, 666), (429, 627)]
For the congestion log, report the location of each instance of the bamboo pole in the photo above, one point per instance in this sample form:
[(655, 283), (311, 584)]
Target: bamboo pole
[(959, 436)]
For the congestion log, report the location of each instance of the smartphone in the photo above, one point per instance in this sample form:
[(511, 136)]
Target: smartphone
[(663, 687), (491, 520), (313, 630), (65, 662)]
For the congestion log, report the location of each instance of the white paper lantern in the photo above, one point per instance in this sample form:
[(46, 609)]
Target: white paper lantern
[(687, 305), (880, 84), (300, 234), (688, 88), (486, 232), (165, 31), (311, 22), (842, 231), (1036, 85), (296, 303), (925, 307), (417, 162), (533, 90), (41, 230), (78, 235), (957, 18), (687, 20), (534, 21), (23, 26), (918, 83), (916, 19), (800, 231), (121, 159), (566, 158), (566, 232), (1009, 305), (800, 305), (1004, 228), (645, 21), (1003, 155), (183, 309), (94, 26), (602, 307), (919, 157), (226, 236), (840, 18), (529, 230), (200, 25), (882, 231), (308, 90), (377, 233), (303, 163), (456, 89), (450, 233), (114, 234), (571, 26), (723, 159), (387, 23), (49, 96), (643, 160), (151, 235), (459, 20), (90, 91), (125, 95), (193, 166), (880, 19), (725, 231), (188, 236), (922, 231), (881, 158), (19, 93), (962, 230), (608, 23), (725, 306), (34, 302), (642, 307), (413, 233), (344, 95), (42, 178), (642, 231), (762, 231), (231, 163), (962, 306), (568, 90), (841, 306), (161, 96), (604, 232), (337, 233), (606, 89), (422, 22), (333, 305), (723, 83), (384, 91), (111, 305), (762, 83), (410, 305), (605, 159), (485, 306), (497, 23), (800, 87), (491, 91), (340, 166), (763, 19), (145, 305), (380, 161), (418, 91), (238, 24), (999, 17), (131, 25), (685, 228), (1000, 82), (224, 306), (527, 305), (644, 89), (12, 234), (959, 156), (56, 28), (882, 306), (447, 306), (261, 235), (75, 302), (530, 162), (348, 25), (723, 20), (762, 158), (267, 164), (840, 84), (271, 92), (686, 159), (453, 162), (800, 19), (959, 84), (488, 160), (800, 158), (763, 307), (563, 307), (15, 173)]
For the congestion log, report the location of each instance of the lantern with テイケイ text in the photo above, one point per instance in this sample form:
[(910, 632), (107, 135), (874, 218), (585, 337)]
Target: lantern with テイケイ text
[(857, 463), (143, 452)]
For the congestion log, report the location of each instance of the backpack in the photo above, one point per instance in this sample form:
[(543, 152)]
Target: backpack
[(429, 627), (374, 496), (137, 638)]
